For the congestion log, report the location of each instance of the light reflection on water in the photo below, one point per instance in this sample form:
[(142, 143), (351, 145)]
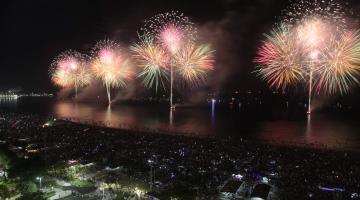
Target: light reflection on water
[(316, 130), (8, 101), (181, 121), (213, 121)]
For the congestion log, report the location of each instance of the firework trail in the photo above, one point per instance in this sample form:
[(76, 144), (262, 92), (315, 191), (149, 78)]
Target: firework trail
[(70, 69), (110, 65), (193, 62), (279, 59), (313, 35), (152, 59), (318, 22)]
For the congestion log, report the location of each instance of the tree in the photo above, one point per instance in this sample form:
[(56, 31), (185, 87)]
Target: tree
[(27, 187), (32, 196), (4, 192)]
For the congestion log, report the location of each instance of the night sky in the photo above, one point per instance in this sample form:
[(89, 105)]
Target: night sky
[(34, 32)]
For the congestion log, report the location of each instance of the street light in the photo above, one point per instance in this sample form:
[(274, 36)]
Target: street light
[(138, 192), (103, 192), (152, 173), (39, 178), (213, 101), (103, 186)]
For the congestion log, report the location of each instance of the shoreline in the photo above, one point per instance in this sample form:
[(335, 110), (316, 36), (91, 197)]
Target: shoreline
[(190, 162), (168, 132)]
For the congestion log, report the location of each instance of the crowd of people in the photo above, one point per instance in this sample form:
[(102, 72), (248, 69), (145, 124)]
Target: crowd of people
[(198, 164)]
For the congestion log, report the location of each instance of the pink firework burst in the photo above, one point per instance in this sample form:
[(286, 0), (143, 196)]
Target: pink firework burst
[(171, 37), (111, 66), (171, 30), (64, 67), (69, 64)]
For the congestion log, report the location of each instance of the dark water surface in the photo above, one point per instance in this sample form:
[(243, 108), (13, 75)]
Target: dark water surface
[(272, 125)]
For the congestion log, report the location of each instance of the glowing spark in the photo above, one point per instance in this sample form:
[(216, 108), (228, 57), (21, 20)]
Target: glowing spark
[(302, 10), (61, 78), (313, 33), (171, 38), (84, 76)]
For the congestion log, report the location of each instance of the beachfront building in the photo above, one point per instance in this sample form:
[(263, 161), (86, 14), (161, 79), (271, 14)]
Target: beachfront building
[(233, 188), (262, 191)]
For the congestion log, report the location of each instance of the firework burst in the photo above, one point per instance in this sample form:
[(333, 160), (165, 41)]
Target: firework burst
[(168, 48), (110, 65), (279, 59), (171, 29), (152, 59), (319, 50), (61, 78), (84, 75), (340, 66), (70, 69), (313, 34), (193, 62)]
